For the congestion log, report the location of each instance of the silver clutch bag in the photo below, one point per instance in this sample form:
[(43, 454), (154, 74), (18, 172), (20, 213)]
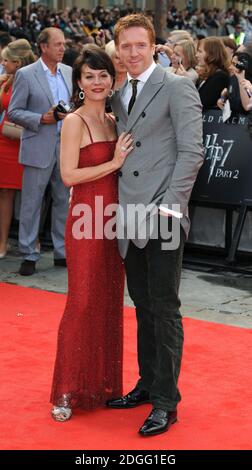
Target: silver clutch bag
[(11, 130)]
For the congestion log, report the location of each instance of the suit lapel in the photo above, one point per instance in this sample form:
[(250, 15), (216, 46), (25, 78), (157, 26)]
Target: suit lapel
[(41, 77), (67, 79), (150, 89), (117, 103)]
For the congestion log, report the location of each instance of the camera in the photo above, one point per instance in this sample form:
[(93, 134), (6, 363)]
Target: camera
[(242, 65), (62, 107)]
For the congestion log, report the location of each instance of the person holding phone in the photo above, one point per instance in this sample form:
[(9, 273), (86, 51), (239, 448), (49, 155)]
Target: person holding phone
[(175, 37), (183, 60)]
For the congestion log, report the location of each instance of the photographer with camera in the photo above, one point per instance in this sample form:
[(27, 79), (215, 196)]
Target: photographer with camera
[(246, 88), (238, 91), (243, 73), (40, 102)]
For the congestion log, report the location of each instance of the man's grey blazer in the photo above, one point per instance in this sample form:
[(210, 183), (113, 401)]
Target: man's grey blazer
[(32, 97), (166, 123)]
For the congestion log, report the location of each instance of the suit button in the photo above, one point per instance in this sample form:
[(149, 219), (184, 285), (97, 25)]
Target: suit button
[(119, 173), (143, 114), (117, 118), (138, 144), (135, 173)]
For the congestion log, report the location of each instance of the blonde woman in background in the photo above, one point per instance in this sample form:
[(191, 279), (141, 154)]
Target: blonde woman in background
[(14, 56), (183, 60), (174, 38), (121, 72)]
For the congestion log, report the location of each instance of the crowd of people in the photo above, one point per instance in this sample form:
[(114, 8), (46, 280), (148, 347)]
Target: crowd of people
[(73, 21), (94, 101)]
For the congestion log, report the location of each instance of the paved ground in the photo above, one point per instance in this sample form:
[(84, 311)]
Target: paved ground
[(219, 297)]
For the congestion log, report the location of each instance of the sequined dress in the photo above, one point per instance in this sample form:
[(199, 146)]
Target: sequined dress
[(88, 366)]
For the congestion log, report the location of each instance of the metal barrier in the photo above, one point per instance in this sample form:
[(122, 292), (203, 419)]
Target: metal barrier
[(225, 178)]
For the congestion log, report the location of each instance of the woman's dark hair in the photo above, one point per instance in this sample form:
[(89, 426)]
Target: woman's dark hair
[(216, 57), (97, 59), (70, 56)]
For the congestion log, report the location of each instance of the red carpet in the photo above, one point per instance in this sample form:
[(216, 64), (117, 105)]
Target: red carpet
[(216, 384)]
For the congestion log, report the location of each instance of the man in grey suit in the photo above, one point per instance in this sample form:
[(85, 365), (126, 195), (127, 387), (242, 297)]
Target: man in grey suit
[(37, 90), (163, 112)]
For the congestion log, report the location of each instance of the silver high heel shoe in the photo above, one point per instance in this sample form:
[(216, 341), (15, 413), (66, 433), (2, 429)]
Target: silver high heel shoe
[(62, 412)]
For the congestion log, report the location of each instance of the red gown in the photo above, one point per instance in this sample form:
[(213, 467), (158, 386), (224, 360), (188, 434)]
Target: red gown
[(88, 365), (11, 172)]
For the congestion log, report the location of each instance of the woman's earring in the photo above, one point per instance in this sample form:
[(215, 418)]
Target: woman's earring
[(81, 95), (111, 93)]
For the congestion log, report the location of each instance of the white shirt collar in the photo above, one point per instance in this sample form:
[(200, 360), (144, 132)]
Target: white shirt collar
[(143, 77), (45, 66)]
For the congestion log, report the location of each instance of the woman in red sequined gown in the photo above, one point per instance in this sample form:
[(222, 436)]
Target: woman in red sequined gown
[(88, 367)]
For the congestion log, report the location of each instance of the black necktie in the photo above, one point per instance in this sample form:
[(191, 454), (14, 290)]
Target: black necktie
[(133, 96)]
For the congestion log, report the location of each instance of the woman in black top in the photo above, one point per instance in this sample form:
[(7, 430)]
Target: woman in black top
[(213, 69), (239, 98)]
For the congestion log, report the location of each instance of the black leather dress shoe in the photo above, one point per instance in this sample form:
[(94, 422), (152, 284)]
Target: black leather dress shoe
[(27, 268), (158, 422), (60, 262), (134, 398)]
